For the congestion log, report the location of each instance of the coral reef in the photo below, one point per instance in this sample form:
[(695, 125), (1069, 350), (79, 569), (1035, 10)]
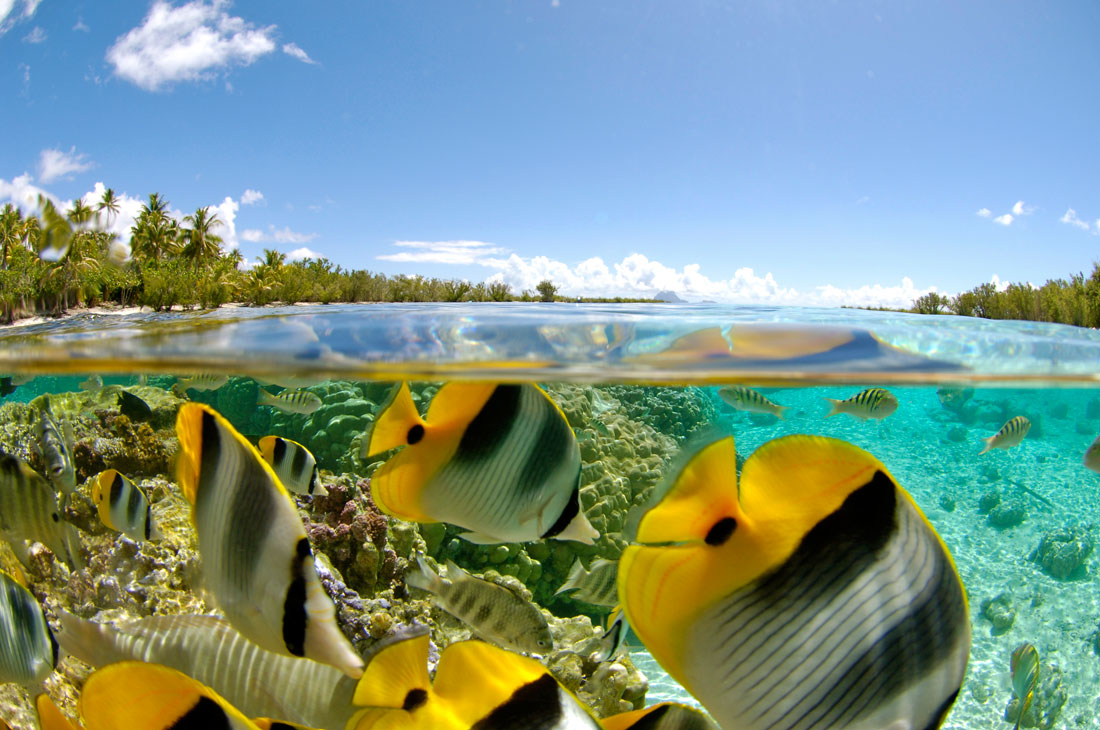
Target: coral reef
[(1063, 552), (676, 412), (1006, 515), (1046, 704), (988, 501), (1000, 612)]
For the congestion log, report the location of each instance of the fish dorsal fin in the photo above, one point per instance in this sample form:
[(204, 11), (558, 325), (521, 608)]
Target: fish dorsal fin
[(49, 717), (496, 673), (395, 416), (102, 487), (141, 696), (397, 676), (267, 447)]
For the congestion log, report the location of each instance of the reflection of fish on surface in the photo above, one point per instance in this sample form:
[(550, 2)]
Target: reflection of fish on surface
[(214, 653), (499, 460), (749, 400), (301, 402), (820, 541), (495, 613), (293, 463), (663, 716), (596, 585), (475, 685), (124, 507), (29, 512), (870, 403), (28, 652), (1092, 456), (1025, 677), (256, 558), (1009, 435)]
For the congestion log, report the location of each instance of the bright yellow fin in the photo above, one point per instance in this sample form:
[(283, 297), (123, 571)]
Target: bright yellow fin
[(496, 673), (391, 426), (49, 717), (394, 673), (456, 404), (141, 696), (267, 448), (101, 488)]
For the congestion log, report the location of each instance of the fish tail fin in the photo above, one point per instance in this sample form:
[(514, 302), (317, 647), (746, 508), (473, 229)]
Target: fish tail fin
[(779, 412), (988, 445), (263, 398), (391, 426), (49, 717), (579, 530), (397, 676), (426, 579), (90, 642), (189, 432), (577, 574), (834, 407)]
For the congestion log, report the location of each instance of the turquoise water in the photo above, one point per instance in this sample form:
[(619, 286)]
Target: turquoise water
[(638, 384)]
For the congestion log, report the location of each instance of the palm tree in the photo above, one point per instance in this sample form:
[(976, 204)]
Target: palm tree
[(109, 203), (273, 259), (157, 205), (11, 232), (80, 213), (201, 244)]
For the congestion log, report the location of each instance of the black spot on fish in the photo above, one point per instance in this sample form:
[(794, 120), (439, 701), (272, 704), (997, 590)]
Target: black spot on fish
[(279, 451), (534, 706), (312, 481), (414, 699), (467, 605), (721, 531), (116, 490), (415, 434), (941, 714), (652, 720), (203, 715), (55, 517), (281, 726), (572, 509), (294, 608)]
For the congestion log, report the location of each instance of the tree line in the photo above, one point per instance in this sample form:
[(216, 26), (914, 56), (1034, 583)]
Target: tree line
[(51, 261), (1075, 301)]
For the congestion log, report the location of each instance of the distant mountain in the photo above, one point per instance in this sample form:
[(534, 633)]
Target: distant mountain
[(667, 296)]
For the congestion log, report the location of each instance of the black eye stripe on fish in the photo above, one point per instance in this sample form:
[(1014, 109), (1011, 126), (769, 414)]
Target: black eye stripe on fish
[(295, 617), (279, 449), (538, 699), (490, 427), (414, 699), (203, 715)]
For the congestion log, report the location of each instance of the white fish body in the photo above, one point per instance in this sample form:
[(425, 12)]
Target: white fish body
[(294, 401), (1092, 456), (749, 400), (293, 463), (203, 382), (28, 652), (55, 447), (29, 512), (124, 507), (1009, 435), (597, 586)]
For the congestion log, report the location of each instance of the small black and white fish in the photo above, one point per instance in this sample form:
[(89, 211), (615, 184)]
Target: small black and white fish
[(613, 641), (874, 403), (495, 613), (55, 448), (124, 507), (293, 464), (291, 401), (28, 652), (257, 561), (1011, 434), (749, 400), (596, 586), (29, 512)]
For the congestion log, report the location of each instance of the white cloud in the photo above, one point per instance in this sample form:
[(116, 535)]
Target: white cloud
[(37, 35), (1071, 218), (1021, 208), (187, 43), (21, 191), (53, 164), (998, 284), (251, 197), (1004, 220), (252, 235), (227, 214), (443, 252), (278, 235), (985, 213), (299, 254), (293, 50), (81, 25), (10, 12)]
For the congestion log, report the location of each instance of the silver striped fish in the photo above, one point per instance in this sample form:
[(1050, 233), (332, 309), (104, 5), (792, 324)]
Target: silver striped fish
[(29, 512), (255, 555), (494, 612), (28, 652), (596, 586), (293, 464), (291, 401), (498, 460), (813, 595), (1010, 434), (123, 507), (870, 403), (749, 400), (213, 652), (55, 448)]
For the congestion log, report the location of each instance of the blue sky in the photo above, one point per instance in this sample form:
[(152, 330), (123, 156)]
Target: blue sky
[(788, 152)]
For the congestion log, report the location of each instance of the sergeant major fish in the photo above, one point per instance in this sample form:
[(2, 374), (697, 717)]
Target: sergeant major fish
[(293, 464), (596, 586), (291, 401), (870, 403), (124, 507), (495, 613), (1092, 456), (28, 651), (29, 512), (208, 381), (1011, 434), (813, 595), (747, 399), (499, 460), (256, 558)]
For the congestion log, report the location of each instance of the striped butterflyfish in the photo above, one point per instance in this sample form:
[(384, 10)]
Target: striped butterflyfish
[(211, 651), (293, 464), (476, 685), (596, 585), (498, 460), (123, 506), (1010, 434), (28, 652), (746, 399), (663, 716), (29, 512), (256, 558), (816, 595), (870, 403)]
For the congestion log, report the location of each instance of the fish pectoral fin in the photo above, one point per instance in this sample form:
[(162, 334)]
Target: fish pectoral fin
[(397, 676), (478, 538)]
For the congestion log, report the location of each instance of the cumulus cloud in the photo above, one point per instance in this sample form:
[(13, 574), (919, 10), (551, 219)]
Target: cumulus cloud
[(252, 197), (299, 254), (639, 276), (227, 214), (278, 235), (187, 43), (13, 11), (985, 213), (294, 51), (443, 252), (1071, 218), (81, 25), (252, 235), (1004, 220), (54, 164), (23, 193), (37, 35), (1021, 208)]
